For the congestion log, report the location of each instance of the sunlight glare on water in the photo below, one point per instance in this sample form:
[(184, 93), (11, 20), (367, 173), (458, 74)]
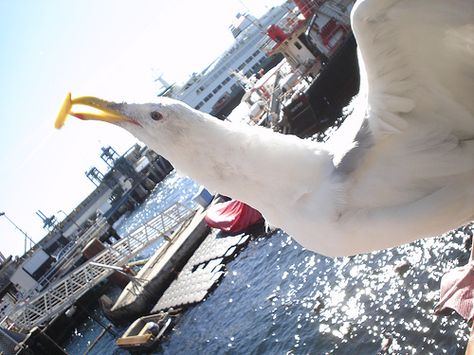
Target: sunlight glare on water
[(278, 298)]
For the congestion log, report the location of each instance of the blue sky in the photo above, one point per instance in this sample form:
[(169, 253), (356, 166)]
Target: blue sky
[(113, 49)]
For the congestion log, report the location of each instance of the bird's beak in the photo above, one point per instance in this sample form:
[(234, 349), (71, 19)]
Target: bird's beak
[(101, 110)]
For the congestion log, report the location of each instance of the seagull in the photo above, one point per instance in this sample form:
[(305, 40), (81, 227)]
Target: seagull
[(401, 166)]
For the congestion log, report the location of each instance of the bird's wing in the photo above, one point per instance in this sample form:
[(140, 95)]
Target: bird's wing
[(416, 61)]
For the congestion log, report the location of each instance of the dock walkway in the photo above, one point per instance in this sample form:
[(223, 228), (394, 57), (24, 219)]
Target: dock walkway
[(151, 281), (65, 292)]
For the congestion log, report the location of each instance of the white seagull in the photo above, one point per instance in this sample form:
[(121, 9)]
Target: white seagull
[(400, 168)]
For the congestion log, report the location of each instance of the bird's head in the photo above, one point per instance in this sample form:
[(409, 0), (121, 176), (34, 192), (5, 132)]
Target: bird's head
[(154, 123)]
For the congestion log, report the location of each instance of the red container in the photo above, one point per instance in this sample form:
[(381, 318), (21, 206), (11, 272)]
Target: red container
[(276, 33), (306, 8)]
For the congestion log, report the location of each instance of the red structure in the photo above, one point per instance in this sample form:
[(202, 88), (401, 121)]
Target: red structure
[(330, 29), (306, 8), (276, 33), (232, 216)]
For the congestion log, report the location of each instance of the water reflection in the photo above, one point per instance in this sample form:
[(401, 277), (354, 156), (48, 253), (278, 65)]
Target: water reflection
[(279, 298)]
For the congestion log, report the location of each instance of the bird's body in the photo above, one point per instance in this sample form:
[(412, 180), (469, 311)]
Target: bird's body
[(400, 168)]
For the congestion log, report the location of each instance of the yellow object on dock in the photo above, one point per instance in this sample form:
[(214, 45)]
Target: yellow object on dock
[(136, 340), (138, 262)]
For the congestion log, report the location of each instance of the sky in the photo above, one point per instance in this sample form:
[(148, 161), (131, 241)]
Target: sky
[(113, 49)]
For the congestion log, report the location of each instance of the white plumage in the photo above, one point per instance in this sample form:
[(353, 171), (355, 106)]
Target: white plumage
[(400, 168)]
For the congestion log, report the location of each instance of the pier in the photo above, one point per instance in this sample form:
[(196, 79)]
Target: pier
[(157, 274), (64, 293)]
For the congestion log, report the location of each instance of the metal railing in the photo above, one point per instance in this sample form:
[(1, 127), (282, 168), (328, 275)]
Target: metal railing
[(67, 260), (65, 292)]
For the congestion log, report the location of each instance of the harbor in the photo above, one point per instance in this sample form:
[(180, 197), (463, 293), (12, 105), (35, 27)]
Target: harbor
[(277, 297), (136, 267), (294, 300), (299, 300)]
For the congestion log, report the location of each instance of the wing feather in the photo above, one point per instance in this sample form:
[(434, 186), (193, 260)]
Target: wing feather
[(417, 64)]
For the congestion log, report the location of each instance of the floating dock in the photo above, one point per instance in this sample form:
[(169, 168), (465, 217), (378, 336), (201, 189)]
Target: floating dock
[(201, 273), (181, 272), (151, 281)]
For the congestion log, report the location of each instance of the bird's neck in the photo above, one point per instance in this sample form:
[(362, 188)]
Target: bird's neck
[(251, 164)]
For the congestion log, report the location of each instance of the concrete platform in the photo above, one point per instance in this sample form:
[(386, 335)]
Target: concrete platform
[(142, 293)]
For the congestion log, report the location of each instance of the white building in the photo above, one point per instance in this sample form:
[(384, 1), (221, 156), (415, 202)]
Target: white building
[(217, 85)]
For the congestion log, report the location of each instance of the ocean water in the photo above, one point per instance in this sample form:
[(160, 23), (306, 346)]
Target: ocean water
[(278, 298)]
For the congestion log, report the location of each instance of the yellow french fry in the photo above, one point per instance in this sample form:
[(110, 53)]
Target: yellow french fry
[(65, 109)]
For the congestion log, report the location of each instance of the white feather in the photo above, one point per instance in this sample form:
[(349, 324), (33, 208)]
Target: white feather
[(400, 168)]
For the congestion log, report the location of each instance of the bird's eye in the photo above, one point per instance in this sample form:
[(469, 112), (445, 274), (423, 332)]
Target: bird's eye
[(156, 116)]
